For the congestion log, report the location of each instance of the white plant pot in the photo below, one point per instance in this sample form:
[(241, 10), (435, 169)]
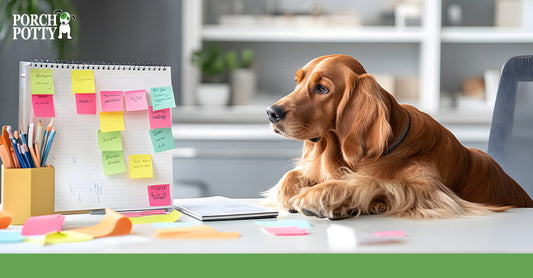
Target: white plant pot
[(243, 86), (216, 94)]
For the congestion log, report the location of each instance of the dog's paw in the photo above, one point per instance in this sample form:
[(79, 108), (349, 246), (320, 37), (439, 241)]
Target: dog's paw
[(317, 201)]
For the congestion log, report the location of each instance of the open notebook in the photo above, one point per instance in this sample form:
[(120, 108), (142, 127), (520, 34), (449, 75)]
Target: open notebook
[(221, 208)]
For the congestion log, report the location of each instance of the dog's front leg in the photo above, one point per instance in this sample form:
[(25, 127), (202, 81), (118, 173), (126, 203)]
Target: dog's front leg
[(287, 187)]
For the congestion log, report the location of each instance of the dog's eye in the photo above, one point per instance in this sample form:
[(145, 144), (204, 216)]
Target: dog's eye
[(321, 89)]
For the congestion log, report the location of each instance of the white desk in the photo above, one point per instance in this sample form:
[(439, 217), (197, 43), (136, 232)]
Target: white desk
[(507, 232)]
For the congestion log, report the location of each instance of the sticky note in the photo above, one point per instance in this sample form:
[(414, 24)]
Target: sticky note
[(286, 231), (10, 237), (171, 217), (397, 233), (159, 195), (111, 101), (162, 139), (174, 225), (193, 232), (160, 118), (42, 81), (5, 219), (111, 121), (135, 100), (141, 166), (113, 162), (109, 141), (302, 224), (113, 224), (143, 213), (162, 97), (40, 225), (82, 81), (86, 103), (43, 105), (62, 237)]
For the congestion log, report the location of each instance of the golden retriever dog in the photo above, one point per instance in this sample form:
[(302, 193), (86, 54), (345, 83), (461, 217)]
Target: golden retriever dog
[(364, 153)]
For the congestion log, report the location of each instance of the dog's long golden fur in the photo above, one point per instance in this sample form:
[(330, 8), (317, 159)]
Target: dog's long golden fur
[(348, 121)]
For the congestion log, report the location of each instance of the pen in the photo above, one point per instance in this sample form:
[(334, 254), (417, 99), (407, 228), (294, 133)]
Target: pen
[(39, 137), (24, 162), (30, 136), (9, 148), (15, 147), (25, 150), (38, 154), (45, 138), (4, 155), (48, 146)]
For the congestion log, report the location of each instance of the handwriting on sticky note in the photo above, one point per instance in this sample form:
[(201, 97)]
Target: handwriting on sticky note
[(162, 97), (159, 195), (111, 121), (397, 233), (135, 100), (141, 166), (40, 225), (42, 81), (171, 217), (10, 237), (113, 162), (5, 219), (43, 105), (286, 231), (111, 101), (162, 139), (160, 118), (82, 81), (86, 103), (109, 141), (113, 224)]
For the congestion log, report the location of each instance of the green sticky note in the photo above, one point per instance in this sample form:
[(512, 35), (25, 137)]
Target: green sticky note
[(162, 97), (109, 141), (113, 162), (162, 139), (42, 81)]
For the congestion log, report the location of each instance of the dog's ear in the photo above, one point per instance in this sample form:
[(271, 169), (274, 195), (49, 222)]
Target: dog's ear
[(73, 17), (363, 119), (58, 11)]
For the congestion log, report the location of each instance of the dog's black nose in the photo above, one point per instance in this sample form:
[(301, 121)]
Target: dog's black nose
[(276, 113)]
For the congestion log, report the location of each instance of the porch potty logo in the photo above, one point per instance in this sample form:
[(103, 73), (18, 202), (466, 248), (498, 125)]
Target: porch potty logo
[(42, 27)]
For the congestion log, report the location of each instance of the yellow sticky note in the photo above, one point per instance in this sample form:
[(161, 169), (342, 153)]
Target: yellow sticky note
[(141, 166), (171, 217), (194, 232), (62, 237), (82, 81), (111, 121)]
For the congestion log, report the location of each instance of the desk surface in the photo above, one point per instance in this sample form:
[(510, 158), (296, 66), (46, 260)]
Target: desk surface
[(507, 232)]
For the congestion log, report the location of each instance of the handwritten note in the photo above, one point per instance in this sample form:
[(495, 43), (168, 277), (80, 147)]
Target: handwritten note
[(135, 100), (86, 103), (159, 195), (286, 231), (171, 217), (40, 225), (160, 118), (82, 81), (111, 121), (162, 139), (397, 233), (111, 101), (10, 237), (109, 141), (5, 219), (113, 224), (302, 224), (162, 97), (141, 166), (42, 81), (194, 232), (113, 162), (43, 105)]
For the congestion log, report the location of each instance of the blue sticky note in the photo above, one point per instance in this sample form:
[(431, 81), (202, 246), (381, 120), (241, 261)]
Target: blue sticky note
[(173, 225), (162, 97), (303, 224), (162, 139), (10, 237)]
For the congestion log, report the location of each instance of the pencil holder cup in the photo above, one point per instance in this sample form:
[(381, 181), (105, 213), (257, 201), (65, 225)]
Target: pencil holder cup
[(28, 192)]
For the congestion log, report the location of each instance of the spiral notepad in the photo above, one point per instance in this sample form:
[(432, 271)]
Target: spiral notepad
[(80, 182)]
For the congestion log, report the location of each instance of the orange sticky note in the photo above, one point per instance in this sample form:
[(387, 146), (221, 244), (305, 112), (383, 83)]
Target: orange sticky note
[(113, 224), (5, 219), (193, 232), (111, 121)]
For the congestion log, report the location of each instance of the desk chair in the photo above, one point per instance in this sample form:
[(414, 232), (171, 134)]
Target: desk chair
[(511, 132)]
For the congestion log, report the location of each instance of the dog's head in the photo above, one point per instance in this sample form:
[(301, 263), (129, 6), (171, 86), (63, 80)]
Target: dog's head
[(64, 17), (335, 94)]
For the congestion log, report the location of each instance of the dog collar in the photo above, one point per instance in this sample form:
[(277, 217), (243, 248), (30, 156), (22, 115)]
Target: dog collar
[(400, 139)]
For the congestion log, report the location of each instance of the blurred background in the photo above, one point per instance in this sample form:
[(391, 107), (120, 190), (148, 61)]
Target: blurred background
[(231, 59)]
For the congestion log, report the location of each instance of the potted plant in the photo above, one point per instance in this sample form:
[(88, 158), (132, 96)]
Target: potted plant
[(213, 64), (243, 78)]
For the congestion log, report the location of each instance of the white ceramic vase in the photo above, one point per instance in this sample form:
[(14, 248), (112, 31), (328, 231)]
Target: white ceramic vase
[(243, 86), (213, 94)]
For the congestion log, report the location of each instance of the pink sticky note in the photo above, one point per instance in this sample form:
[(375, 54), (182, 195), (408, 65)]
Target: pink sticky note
[(111, 101), (144, 213), (397, 233), (43, 105), (40, 225), (86, 103), (135, 100), (286, 231), (131, 214), (159, 195), (160, 118)]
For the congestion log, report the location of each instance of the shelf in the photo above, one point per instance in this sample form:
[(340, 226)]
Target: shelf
[(287, 34), (485, 35)]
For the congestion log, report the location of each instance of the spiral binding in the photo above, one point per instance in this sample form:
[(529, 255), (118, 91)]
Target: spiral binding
[(63, 64)]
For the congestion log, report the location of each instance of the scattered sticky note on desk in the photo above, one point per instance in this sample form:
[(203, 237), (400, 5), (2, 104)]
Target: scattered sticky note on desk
[(135, 100), (162, 139), (174, 225), (397, 233), (42, 81), (302, 224), (111, 121), (286, 231), (5, 219), (111, 101), (193, 232), (62, 237), (10, 237), (160, 118), (162, 97), (43, 105), (171, 217), (82, 81), (143, 213), (86, 103), (113, 162), (44, 224), (113, 224), (109, 141), (159, 195), (141, 166)]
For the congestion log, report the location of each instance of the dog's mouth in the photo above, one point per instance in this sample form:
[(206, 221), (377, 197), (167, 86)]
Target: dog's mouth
[(278, 129)]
